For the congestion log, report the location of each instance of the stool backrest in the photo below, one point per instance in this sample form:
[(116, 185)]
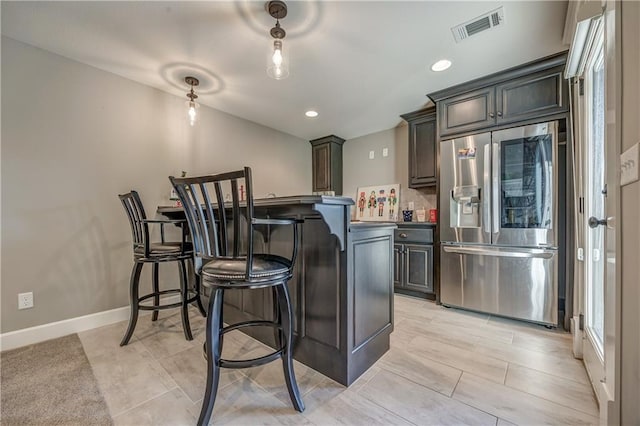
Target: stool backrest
[(209, 218), (135, 212)]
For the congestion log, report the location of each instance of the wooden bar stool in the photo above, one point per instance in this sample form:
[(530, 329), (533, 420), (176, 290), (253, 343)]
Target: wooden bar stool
[(145, 252), (224, 259)]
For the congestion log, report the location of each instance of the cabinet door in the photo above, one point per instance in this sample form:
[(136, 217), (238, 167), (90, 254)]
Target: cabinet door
[(466, 112), (322, 167), (422, 152), (532, 96), (398, 263), (419, 268)]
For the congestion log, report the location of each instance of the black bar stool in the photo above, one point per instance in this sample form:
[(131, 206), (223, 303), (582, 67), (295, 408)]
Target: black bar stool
[(144, 252), (223, 267)]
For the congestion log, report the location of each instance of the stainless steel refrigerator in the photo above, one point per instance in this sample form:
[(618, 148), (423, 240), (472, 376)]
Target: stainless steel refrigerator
[(499, 227)]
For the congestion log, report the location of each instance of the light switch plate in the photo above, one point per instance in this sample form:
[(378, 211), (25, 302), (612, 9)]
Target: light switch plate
[(372, 155), (629, 165)]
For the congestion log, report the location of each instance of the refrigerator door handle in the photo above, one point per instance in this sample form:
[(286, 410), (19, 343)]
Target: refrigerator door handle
[(495, 186), (531, 253), (486, 206)]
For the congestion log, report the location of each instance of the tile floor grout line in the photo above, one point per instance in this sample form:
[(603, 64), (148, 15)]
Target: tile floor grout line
[(456, 386), (534, 396), (544, 372), (148, 400), (382, 366), (549, 400)]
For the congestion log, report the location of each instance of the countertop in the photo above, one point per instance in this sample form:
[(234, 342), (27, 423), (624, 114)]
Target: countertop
[(416, 224), (281, 201)]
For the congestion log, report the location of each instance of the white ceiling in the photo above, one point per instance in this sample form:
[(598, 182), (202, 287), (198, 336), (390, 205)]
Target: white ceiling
[(358, 63)]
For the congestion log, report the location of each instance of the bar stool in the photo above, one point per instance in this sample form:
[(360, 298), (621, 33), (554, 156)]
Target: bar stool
[(224, 258), (145, 252)]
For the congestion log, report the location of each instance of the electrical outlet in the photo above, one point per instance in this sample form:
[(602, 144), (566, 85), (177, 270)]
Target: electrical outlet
[(385, 152), (25, 300)]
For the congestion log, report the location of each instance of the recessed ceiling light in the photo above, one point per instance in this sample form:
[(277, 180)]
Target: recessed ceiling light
[(441, 65), (311, 113)]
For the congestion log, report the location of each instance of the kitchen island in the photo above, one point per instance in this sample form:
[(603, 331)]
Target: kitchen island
[(341, 290)]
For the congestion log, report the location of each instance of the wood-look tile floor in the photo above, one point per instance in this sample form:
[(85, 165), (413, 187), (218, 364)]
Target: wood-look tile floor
[(445, 367)]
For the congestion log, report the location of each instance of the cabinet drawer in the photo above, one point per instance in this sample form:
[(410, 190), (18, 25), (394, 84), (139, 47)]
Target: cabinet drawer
[(413, 235)]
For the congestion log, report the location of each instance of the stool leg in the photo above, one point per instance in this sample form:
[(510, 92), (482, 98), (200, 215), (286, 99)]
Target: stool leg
[(133, 298), (198, 297), (185, 300), (156, 289), (286, 321), (213, 355), (278, 335), (221, 322)]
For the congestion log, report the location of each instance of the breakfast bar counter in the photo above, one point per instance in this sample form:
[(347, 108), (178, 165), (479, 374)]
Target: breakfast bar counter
[(341, 291)]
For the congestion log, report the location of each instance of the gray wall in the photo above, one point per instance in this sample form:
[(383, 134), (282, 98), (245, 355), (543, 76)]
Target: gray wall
[(359, 170), (73, 137)]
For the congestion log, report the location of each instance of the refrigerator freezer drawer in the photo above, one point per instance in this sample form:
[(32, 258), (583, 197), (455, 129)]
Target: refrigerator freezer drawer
[(516, 283)]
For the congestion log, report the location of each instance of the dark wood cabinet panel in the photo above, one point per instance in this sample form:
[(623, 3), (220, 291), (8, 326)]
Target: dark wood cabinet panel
[(321, 167), (371, 286), (398, 265), (532, 96), (419, 268), (466, 112), (422, 147), (327, 164), (523, 93)]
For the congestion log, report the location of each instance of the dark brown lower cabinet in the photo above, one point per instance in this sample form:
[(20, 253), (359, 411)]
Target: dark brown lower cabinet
[(413, 267), (413, 260)]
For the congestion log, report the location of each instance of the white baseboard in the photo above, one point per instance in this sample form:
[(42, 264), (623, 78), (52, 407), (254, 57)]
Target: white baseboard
[(40, 333)]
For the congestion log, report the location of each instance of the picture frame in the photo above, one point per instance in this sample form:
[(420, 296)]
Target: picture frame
[(379, 203)]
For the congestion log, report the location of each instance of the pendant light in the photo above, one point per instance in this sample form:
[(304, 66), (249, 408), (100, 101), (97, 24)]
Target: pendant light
[(191, 103), (278, 66)]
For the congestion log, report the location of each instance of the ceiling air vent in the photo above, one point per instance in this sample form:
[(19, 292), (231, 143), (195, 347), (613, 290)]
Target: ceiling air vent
[(477, 25)]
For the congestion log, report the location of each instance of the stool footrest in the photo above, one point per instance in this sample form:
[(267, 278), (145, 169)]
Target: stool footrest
[(250, 324), (254, 362), (168, 306)]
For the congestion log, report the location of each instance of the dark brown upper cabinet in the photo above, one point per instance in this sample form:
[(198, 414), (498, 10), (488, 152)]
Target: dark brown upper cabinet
[(327, 164), (530, 91), (422, 147)]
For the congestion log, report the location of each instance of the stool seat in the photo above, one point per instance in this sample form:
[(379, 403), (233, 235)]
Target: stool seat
[(166, 248), (265, 267)]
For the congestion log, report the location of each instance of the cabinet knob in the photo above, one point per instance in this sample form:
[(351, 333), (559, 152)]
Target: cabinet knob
[(402, 235), (491, 115), (499, 113)]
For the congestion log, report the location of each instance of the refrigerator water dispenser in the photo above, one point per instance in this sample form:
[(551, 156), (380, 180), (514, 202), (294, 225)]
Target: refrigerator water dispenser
[(465, 207)]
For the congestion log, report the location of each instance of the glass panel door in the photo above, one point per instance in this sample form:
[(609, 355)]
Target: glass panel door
[(596, 207), (524, 186), (526, 182)]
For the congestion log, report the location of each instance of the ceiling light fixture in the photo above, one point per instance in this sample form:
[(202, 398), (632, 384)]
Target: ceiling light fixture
[(191, 103), (278, 66), (441, 65), (311, 113)]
